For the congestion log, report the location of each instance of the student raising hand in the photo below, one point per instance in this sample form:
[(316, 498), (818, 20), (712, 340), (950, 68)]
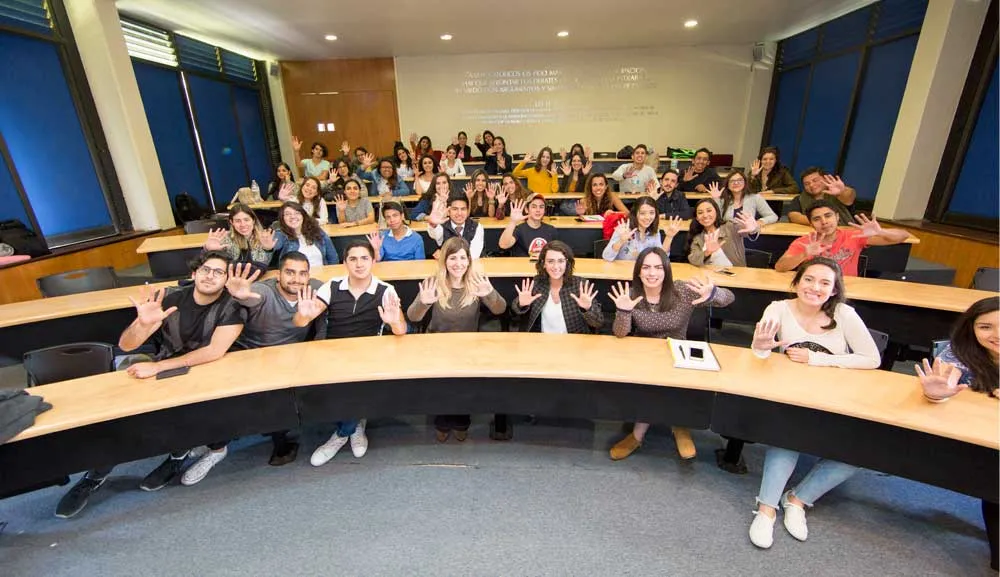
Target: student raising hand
[(149, 308), (428, 291), (704, 288), (481, 285), (765, 336), (241, 276), (525, 296), (939, 381), (714, 191), (216, 237), (621, 295), (309, 305), (391, 314), (585, 299)]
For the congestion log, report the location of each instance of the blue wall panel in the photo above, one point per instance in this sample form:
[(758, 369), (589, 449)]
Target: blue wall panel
[(220, 141), (166, 113), (877, 109), (977, 191), (826, 113), (252, 130), (791, 93), (43, 132), (10, 203)]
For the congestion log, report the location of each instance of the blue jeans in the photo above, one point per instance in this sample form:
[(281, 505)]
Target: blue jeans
[(779, 464), (346, 428)]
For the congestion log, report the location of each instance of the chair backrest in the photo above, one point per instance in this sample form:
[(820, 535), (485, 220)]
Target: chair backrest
[(986, 279), (599, 247), (863, 265), (200, 226), (758, 258), (937, 347), (70, 361), (881, 340), (78, 281)]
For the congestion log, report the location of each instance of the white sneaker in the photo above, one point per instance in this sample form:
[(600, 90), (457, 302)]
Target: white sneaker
[(327, 450), (200, 469), (198, 452), (762, 530), (795, 519), (359, 441)]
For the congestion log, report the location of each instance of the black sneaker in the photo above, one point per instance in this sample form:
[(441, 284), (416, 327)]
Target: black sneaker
[(162, 475), (76, 498), (284, 454)]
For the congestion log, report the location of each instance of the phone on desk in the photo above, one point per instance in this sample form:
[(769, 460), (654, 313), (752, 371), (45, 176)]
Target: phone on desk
[(726, 272), (697, 353), (172, 373)]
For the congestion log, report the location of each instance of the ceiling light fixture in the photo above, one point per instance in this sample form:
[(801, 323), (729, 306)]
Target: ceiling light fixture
[(331, 37), (446, 37), (690, 23), (562, 34)]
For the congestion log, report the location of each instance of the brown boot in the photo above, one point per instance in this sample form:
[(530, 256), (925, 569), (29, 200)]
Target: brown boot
[(461, 436), (625, 447), (442, 436), (685, 446)]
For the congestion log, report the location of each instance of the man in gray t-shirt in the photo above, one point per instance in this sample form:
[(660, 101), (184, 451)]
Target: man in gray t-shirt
[(271, 304), (633, 177)]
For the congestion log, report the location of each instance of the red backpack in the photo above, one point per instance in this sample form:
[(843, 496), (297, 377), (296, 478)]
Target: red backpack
[(611, 221)]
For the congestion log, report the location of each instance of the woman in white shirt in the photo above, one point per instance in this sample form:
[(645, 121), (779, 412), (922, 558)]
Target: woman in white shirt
[(424, 173), (450, 164), (556, 301), (312, 202), (815, 328)]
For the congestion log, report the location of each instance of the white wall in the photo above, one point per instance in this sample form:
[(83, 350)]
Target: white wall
[(681, 97)]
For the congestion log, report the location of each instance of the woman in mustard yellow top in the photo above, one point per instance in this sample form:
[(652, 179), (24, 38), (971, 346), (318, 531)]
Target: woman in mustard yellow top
[(543, 178)]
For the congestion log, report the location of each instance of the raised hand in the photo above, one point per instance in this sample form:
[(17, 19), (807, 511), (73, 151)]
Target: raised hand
[(588, 166), (413, 137), (524, 293), (266, 238), (703, 287), (834, 185), (469, 192), (588, 153), (479, 138), (580, 207), (653, 190), (428, 291), (391, 313), (438, 213), (755, 168), (375, 239), (623, 231), (689, 174), (712, 242), (481, 285), (309, 305), (368, 160), (241, 276), (588, 293), (672, 226), (714, 191), (296, 144), (798, 354), (501, 196), (814, 247), (747, 223), (939, 381), (341, 202), (517, 211), (868, 228), (216, 237), (620, 295), (765, 336), (345, 148), (529, 158), (416, 171), (493, 190), (149, 308)]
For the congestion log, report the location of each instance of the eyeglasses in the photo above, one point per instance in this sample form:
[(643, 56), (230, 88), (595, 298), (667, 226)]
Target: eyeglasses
[(212, 272), (736, 181)]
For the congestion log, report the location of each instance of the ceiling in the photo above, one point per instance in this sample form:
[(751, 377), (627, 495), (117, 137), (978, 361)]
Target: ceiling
[(294, 29)]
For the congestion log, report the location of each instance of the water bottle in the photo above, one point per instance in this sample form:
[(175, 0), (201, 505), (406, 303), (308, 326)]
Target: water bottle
[(255, 188)]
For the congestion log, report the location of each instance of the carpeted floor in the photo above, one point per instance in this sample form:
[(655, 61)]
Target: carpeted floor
[(550, 502)]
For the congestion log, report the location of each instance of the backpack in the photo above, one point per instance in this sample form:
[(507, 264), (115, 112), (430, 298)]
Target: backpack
[(186, 209), (22, 239), (610, 222), (625, 153)]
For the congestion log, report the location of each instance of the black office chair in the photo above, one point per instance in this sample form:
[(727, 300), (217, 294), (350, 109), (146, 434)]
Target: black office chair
[(605, 155), (78, 281), (881, 340), (599, 247), (758, 258), (69, 361), (863, 265), (518, 157), (200, 226), (986, 279)]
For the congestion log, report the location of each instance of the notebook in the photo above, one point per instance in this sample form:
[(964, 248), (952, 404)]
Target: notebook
[(693, 355)]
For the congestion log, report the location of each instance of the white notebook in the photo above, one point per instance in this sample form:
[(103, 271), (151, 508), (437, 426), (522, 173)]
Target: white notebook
[(693, 355)]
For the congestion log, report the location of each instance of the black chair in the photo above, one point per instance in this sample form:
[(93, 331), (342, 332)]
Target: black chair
[(986, 279), (758, 258), (881, 340), (599, 247), (863, 265), (200, 226), (69, 361), (605, 155), (78, 281)]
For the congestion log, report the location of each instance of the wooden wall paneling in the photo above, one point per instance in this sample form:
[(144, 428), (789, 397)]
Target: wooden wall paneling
[(18, 281), (963, 254)]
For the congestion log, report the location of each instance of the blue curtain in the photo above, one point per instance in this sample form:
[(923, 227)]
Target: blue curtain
[(248, 114), (166, 112), (11, 206), (220, 138), (791, 94), (827, 110), (977, 190), (46, 140)]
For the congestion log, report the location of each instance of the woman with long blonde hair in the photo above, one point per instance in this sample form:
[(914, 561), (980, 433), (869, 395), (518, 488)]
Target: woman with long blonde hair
[(453, 297)]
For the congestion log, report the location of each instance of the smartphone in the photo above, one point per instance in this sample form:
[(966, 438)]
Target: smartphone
[(697, 353), (172, 373), (726, 271)]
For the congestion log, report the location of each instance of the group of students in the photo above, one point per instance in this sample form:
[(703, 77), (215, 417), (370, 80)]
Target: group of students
[(224, 307)]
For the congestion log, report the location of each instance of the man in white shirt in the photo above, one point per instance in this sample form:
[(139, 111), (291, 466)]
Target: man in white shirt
[(633, 177)]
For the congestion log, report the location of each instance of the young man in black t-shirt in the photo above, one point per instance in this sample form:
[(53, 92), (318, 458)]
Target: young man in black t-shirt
[(699, 175), (526, 234), (189, 326)]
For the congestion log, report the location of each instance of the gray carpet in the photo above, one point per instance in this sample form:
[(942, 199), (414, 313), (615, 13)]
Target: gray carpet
[(550, 502)]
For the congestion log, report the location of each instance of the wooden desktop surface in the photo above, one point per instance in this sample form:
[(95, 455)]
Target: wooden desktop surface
[(889, 398), (866, 289)]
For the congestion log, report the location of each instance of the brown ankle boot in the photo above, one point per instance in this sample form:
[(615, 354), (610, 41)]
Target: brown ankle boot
[(625, 447), (685, 446)]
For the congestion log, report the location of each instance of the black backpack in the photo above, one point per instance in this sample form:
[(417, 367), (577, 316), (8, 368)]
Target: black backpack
[(625, 153), (24, 240), (186, 209)]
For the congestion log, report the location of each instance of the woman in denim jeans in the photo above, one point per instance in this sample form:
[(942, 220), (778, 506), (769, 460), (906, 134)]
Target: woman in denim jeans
[(815, 328)]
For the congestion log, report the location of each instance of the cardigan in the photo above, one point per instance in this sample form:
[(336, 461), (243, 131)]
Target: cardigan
[(578, 321), (732, 248), (850, 343), (755, 206)]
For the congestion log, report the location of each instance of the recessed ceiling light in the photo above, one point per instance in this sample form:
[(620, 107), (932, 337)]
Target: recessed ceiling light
[(690, 23), (446, 37), (562, 34), (331, 37)]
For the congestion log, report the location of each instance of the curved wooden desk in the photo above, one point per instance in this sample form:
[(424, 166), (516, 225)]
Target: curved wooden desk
[(874, 419)]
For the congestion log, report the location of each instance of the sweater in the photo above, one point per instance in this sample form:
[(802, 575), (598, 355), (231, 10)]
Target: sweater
[(781, 182), (540, 181), (850, 344), (456, 319), (643, 321), (755, 206), (732, 247), (410, 247)]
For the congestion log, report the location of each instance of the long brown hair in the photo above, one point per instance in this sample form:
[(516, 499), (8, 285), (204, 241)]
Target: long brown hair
[(830, 306), (316, 200), (581, 179), (538, 161), (311, 230), (238, 240), (590, 202), (727, 195), (451, 246), (666, 291), (965, 345), (562, 248), (480, 202)]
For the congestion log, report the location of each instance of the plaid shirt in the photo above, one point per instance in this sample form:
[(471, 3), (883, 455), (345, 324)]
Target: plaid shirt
[(577, 320)]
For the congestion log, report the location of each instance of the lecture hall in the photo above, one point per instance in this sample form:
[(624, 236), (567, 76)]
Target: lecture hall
[(524, 288)]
